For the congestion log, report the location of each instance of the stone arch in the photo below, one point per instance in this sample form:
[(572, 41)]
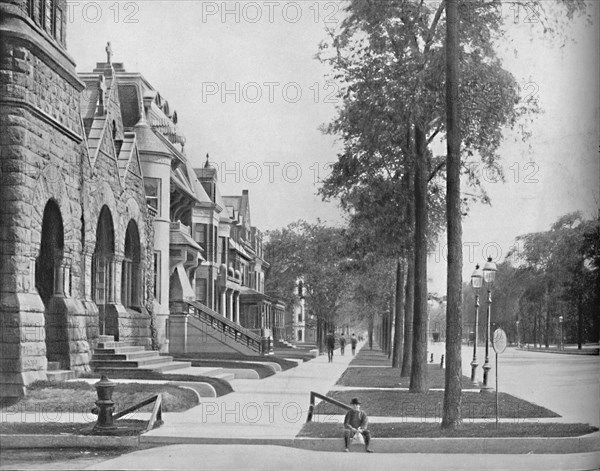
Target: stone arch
[(51, 185), (99, 195), (103, 272), (50, 283), (51, 252)]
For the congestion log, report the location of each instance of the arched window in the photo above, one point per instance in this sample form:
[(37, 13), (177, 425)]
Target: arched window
[(131, 278), (51, 252), (102, 262)]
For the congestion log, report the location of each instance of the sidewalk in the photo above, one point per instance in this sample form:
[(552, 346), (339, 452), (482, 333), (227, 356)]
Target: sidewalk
[(274, 407)]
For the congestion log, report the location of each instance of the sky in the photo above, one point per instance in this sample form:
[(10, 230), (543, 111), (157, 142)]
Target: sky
[(248, 90)]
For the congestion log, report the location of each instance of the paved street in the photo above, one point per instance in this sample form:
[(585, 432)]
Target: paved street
[(566, 384), (267, 458)]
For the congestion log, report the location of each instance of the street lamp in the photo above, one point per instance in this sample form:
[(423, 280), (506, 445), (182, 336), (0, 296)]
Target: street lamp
[(518, 336), (489, 275), (476, 280), (560, 323)]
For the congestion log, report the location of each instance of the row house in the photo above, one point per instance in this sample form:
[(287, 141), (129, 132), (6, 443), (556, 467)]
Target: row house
[(106, 229)]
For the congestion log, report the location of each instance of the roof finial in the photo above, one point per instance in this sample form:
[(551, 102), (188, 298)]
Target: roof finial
[(109, 52), (207, 163)]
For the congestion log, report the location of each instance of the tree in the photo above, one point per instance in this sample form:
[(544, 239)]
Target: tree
[(453, 387), (558, 274), (389, 57), (317, 253)]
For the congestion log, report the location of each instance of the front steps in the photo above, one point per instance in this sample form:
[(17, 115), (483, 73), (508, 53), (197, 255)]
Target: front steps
[(110, 355), (56, 375)]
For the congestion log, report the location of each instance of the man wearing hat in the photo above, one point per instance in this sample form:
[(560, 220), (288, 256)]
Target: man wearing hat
[(356, 420)]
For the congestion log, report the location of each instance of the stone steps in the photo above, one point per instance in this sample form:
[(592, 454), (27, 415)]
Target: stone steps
[(59, 376), (159, 368), (123, 356), (55, 374)]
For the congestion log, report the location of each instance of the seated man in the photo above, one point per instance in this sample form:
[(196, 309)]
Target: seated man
[(356, 421)]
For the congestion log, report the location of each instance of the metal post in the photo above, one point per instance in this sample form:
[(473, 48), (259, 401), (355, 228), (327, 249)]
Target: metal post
[(497, 413), (486, 366), (474, 363)]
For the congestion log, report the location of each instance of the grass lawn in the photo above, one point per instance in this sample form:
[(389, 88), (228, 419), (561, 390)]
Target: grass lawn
[(127, 427), (429, 430), (388, 377), (366, 357), (47, 401), (221, 386), (394, 403)]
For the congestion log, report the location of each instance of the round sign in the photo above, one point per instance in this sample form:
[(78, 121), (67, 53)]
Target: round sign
[(499, 341)]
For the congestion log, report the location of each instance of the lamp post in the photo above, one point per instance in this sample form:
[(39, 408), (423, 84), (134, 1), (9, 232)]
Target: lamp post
[(489, 275), (518, 336), (560, 323), (476, 280)]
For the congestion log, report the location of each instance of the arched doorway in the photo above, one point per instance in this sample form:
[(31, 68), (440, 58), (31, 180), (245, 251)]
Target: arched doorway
[(103, 272), (131, 277), (49, 284)]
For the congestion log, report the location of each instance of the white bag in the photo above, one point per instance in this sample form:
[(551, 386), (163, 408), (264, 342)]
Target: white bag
[(358, 438)]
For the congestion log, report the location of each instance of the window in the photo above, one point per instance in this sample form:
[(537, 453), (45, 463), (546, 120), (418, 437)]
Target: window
[(48, 14), (102, 279), (200, 236), (156, 266), (58, 26), (152, 186), (201, 290)]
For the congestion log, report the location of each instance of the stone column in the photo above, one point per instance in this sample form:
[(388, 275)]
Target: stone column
[(178, 332), (223, 302), (237, 307), (230, 305)]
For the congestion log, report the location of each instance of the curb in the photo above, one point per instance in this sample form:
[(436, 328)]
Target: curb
[(513, 446), (538, 445), (583, 352)]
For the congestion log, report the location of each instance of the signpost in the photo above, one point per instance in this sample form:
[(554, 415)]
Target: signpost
[(499, 341)]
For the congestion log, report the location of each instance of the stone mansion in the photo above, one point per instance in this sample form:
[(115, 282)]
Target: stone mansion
[(106, 228)]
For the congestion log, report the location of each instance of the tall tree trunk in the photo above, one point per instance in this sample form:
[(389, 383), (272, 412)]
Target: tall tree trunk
[(535, 327), (579, 323), (451, 417), (408, 315), (547, 303), (371, 322), (399, 314), (390, 332), (418, 376)]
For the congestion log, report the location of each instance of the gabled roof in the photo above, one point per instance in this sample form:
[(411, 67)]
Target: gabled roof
[(127, 155)]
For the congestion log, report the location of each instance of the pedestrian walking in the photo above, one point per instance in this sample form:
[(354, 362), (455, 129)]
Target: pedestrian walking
[(353, 342), (330, 344), (342, 344), (356, 423)]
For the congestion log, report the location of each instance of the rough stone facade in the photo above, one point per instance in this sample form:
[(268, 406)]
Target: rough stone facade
[(53, 188)]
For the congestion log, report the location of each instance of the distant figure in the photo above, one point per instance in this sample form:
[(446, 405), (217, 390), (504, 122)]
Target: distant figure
[(330, 344), (342, 344), (353, 342), (356, 421)]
